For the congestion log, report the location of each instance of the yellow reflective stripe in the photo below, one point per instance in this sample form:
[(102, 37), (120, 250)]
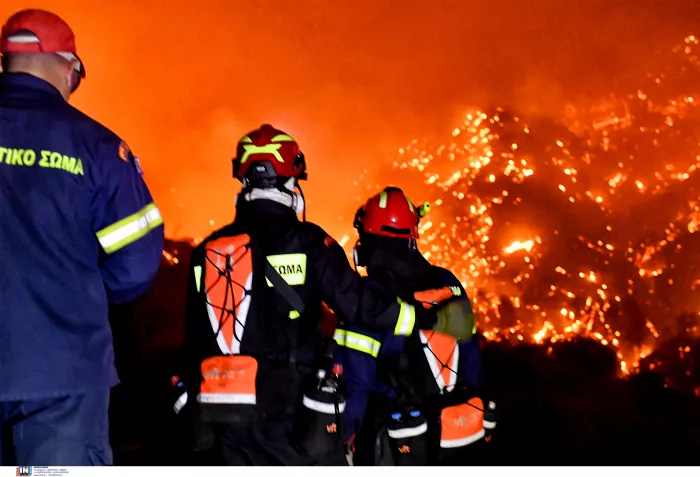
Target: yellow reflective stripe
[(382, 200), (474, 330), (282, 137), (358, 342), (266, 149), (247, 140), (410, 206), (198, 277), (407, 319), (129, 229), (293, 315), (291, 266)]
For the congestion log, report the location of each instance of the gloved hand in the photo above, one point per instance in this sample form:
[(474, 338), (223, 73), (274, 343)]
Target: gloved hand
[(456, 319)]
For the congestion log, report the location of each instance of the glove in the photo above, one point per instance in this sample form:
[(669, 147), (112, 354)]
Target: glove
[(456, 319), (426, 317), (490, 420)]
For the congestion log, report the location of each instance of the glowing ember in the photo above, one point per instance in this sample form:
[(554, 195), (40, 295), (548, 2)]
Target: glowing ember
[(515, 246)]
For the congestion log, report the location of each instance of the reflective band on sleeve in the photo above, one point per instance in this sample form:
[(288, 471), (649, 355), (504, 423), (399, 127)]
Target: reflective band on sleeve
[(358, 342), (407, 319), (452, 443), (408, 432), (322, 407), (489, 424), (212, 398), (293, 315), (129, 229), (198, 277)]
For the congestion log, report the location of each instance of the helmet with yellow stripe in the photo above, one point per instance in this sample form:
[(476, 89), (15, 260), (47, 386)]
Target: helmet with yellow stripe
[(387, 221), (267, 158)]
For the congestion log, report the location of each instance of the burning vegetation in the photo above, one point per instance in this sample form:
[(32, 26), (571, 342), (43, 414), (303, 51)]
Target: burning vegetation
[(581, 226)]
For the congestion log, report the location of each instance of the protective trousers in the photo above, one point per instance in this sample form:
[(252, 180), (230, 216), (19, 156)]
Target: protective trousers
[(62, 431)]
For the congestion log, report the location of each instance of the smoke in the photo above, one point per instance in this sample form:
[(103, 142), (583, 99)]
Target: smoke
[(181, 81)]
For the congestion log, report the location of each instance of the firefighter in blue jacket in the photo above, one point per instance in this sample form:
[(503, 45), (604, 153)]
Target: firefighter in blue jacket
[(78, 231), (415, 400)]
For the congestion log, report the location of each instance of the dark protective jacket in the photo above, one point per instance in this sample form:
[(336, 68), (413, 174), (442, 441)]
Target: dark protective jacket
[(78, 231), (392, 366), (261, 323)]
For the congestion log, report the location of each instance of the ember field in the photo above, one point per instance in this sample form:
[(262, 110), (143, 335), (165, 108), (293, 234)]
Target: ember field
[(576, 226)]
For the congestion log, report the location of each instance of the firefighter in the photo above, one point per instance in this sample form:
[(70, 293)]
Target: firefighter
[(421, 398), (253, 339), (78, 231)]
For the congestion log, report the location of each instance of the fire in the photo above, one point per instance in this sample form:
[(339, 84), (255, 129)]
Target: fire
[(602, 249), (515, 246)]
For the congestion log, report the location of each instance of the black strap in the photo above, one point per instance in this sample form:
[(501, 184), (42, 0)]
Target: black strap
[(292, 298), (284, 288)]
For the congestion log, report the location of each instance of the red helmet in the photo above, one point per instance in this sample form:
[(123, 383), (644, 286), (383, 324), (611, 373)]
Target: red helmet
[(39, 31), (389, 213), (274, 155)]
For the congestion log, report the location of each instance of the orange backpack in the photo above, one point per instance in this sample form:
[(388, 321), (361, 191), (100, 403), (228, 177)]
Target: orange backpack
[(228, 391)]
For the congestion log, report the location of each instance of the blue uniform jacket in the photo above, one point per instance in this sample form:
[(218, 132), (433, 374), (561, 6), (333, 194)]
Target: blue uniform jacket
[(359, 350), (78, 231)]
